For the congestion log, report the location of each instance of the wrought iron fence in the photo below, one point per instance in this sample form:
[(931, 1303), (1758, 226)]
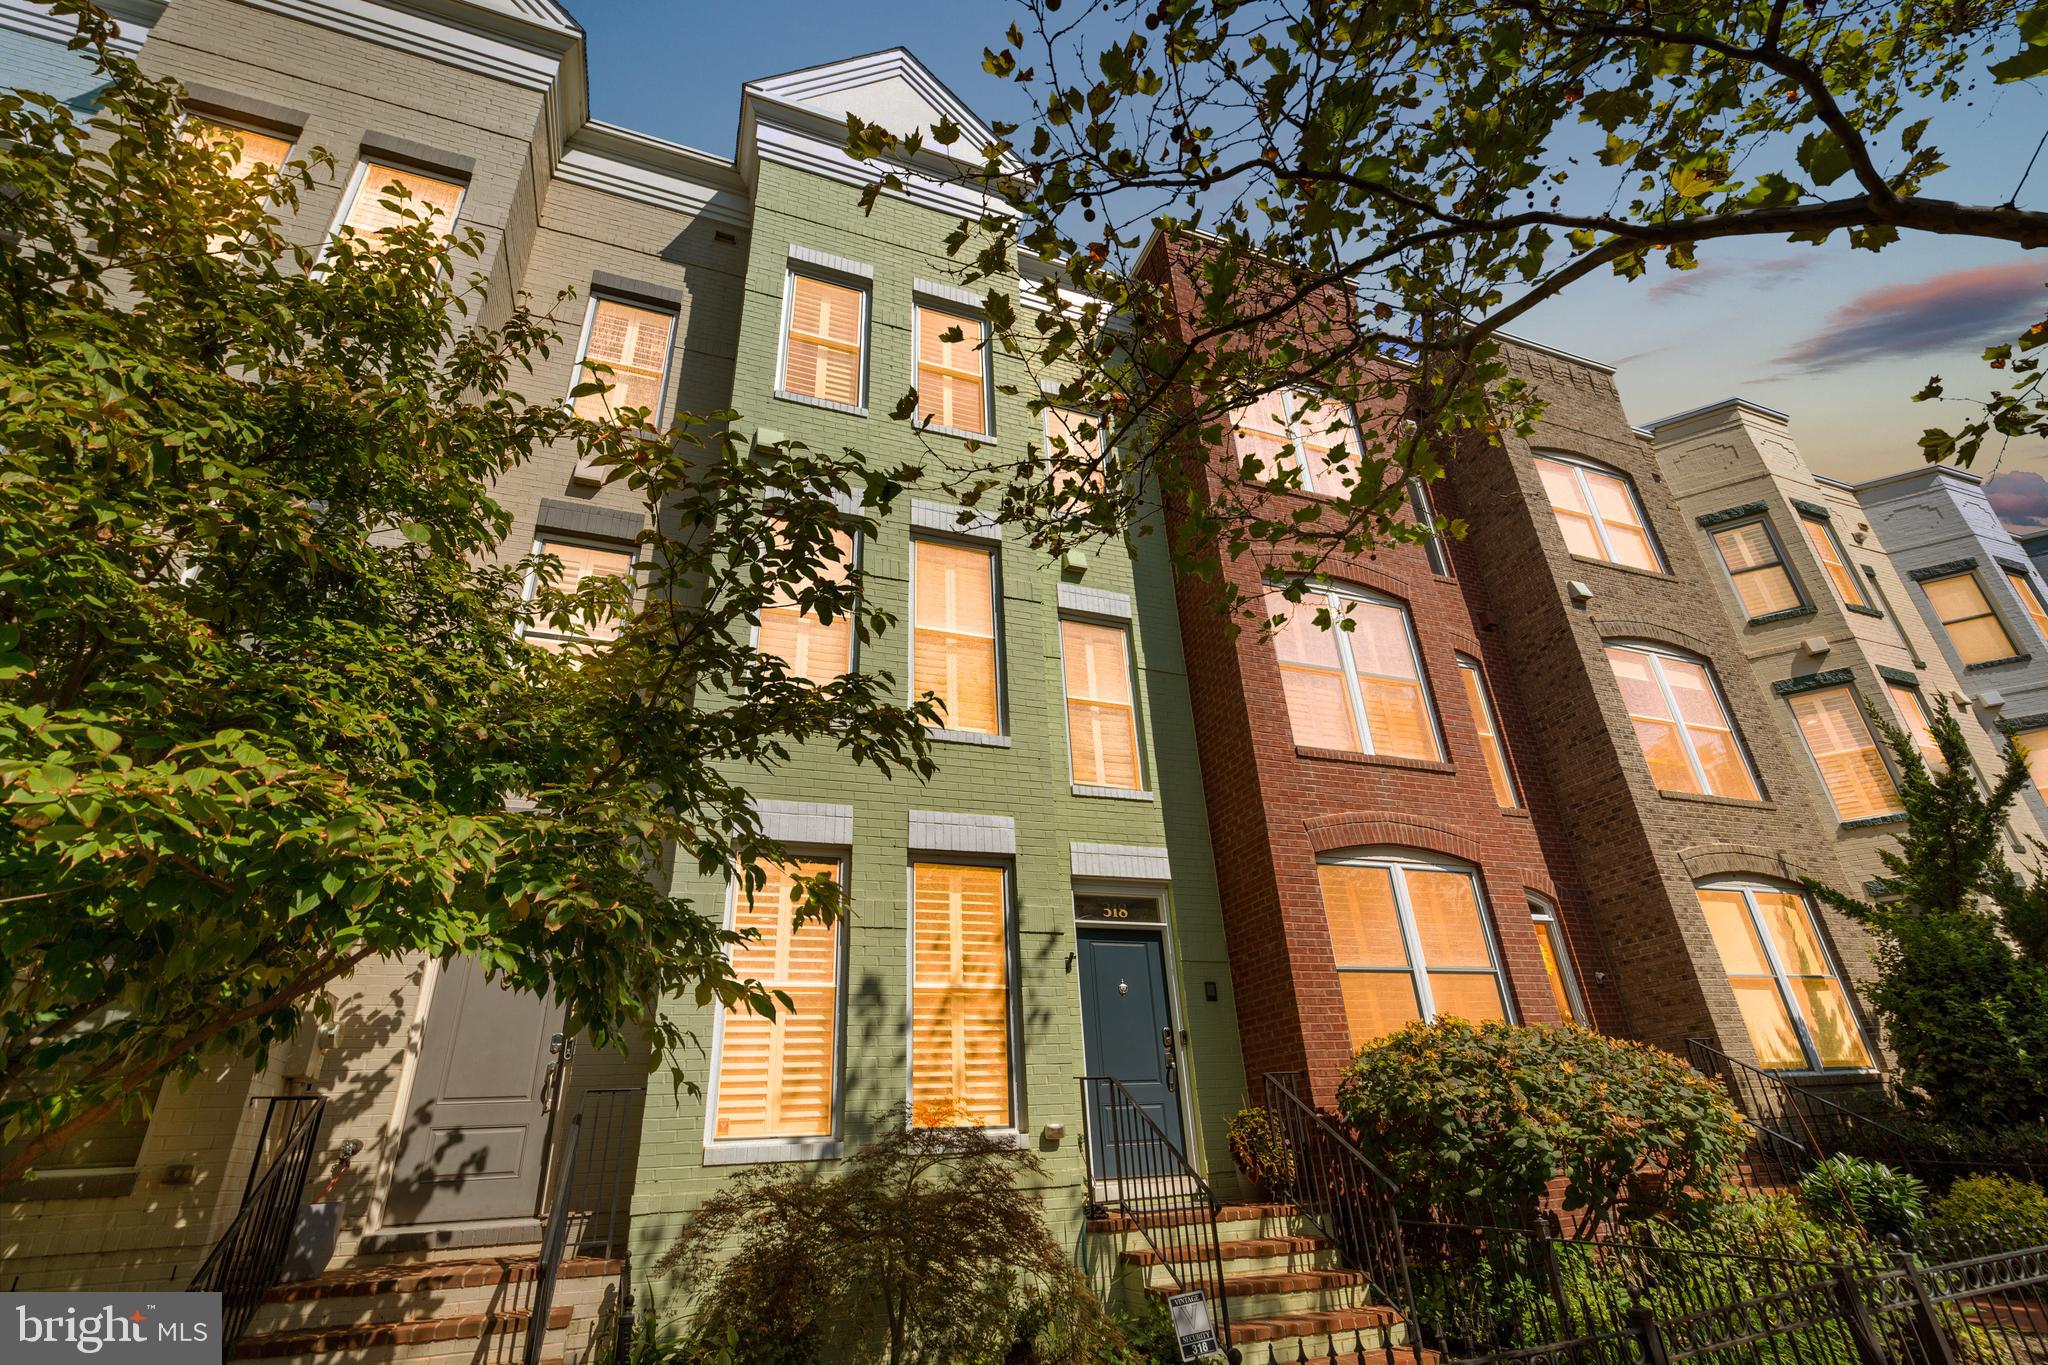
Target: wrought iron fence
[(587, 1216), (1140, 1179), (247, 1258)]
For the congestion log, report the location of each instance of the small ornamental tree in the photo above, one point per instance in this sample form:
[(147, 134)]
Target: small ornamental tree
[(1483, 1117), (1961, 987), (265, 708)]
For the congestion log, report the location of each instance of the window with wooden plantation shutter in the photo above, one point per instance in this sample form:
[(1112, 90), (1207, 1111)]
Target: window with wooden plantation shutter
[(1750, 554), (375, 209), (776, 1076), (822, 355), (2034, 743), (1828, 550), (254, 152), (1851, 767), (1914, 719), (960, 997), (578, 563), (954, 642), (808, 647), (950, 373), (632, 343), (1073, 447), (1973, 627), (1102, 725), (2030, 599)]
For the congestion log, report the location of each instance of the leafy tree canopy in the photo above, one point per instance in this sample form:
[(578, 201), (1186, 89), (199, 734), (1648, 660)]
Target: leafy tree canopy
[(1439, 167), (265, 706)]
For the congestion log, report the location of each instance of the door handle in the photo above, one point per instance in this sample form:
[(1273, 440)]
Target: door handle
[(561, 1049), (1172, 1060)]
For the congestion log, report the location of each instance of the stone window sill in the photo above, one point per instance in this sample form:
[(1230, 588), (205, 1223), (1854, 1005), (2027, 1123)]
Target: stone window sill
[(1427, 765), (1708, 799), (975, 737), (1998, 663), (767, 1152), (848, 409), (1660, 575), (1110, 793)]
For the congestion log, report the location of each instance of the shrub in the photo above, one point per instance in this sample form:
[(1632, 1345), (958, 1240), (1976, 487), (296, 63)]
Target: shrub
[(1261, 1149), (1982, 1201), (1852, 1192), (925, 1246), (1464, 1114)]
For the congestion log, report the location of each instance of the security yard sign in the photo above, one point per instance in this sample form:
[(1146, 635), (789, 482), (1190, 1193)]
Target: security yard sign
[(1191, 1324)]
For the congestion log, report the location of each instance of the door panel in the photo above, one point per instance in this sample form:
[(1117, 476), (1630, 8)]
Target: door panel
[(475, 1139), (1126, 1032)]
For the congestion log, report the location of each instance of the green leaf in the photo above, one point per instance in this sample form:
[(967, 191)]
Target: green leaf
[(1823, 157)]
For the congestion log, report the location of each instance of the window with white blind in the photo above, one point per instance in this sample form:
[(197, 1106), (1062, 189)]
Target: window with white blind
[(1757, 569), (1356, 687), (1913, 717), (1491, 745), (384, 197), (825, 341), (1411, 941), (578, 563), (625, 347), (808, 647), (954, 652), (959, 997), (1786, 985), (1682, 723), (254, 153), (1973, 627), (1834, 561), (1597, 512), (2030, 600), (1308, 439), (778, 1078), (1102, 716), (952, 370), (1845, 750)]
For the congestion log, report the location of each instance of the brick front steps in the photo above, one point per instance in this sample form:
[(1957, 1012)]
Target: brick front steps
[(475, 1311)]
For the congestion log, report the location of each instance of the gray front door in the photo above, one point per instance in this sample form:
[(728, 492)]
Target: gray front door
[(1127, 1032), (476, 1130)]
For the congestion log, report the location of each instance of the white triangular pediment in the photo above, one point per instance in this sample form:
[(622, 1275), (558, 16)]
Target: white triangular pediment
[(893, 89)]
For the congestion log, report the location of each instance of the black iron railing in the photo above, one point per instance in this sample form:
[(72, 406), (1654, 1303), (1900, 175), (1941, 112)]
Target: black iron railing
[(1145, 1183), (1355, 1203), (588, 1215), (245, 1262)]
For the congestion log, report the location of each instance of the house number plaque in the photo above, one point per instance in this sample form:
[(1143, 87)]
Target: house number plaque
[(1118, 909)]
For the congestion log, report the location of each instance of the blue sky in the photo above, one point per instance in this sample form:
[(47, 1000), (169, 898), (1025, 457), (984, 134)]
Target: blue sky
[(1837, 338)]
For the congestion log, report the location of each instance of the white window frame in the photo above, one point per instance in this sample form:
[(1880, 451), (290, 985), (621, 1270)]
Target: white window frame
[(578, 376), (2022, 583), (866, 290), (1396, 860), (994, 551), (1144, 788), (853, 566), (531, 584), (1849, 566), (750, 1151), (239, 125), (1291, 405), (1579, 465), (1424, 509), (1468, 664), (1658, 654), (1805, 603), (1353, 694), (355, 187), (1546, 921), (1749, 889), (1017, 1130), (1884, 755), (985, 348)]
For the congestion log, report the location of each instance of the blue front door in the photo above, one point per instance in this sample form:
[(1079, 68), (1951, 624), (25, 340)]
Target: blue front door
[(1127, 1032)]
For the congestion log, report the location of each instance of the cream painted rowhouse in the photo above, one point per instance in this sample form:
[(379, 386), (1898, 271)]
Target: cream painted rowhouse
[(1043, 908)]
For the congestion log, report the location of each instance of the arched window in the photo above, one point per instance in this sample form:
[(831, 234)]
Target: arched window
[(1411, 939), (1598, 512), (1356, 687), (1557, 961), (1785, 981), (1682, 722)]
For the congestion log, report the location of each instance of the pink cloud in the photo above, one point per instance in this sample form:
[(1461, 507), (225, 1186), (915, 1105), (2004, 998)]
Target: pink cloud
[(2020, 497), (1974, 307)]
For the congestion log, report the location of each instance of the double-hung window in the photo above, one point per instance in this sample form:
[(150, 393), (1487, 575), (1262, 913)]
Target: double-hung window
[(960, 997), (954, 648), (1424, 512), (1488, 725), (1102, 717), (381, 197), (1356, 687), (1913, 716), (1973, 627), (1834, 561), (1411, 942), (1557, 962), (1682, 723), (1598, 513), (1786, 986), (1843, 747), (625, 347), (1755, 565), (1311, 437), (2030, 600), (578, 562), (254, 152), (808, 647), (777, 1077), (824, 341), (952, 370), (2035, 745), (1073, 453)]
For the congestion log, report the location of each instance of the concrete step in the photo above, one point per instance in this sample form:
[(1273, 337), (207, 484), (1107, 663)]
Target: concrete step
[(1322, 1338), (1247, 1255), (1278, 1293), (364, 1295), (1232, 1220), (479, 1336)]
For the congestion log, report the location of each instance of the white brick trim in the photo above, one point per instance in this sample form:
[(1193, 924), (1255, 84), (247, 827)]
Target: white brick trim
[(949, 832), (1122, 862)]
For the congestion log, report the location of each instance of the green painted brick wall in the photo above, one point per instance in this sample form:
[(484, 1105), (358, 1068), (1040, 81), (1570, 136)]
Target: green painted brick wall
[(1028, 781)]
